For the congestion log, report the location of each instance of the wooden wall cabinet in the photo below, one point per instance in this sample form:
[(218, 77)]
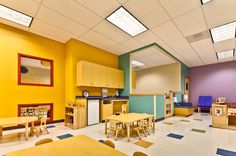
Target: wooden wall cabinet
[(95, 75)]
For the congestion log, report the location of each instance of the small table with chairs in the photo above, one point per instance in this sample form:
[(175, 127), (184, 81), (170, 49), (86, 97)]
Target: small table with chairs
[(129, 119), (18, 120)]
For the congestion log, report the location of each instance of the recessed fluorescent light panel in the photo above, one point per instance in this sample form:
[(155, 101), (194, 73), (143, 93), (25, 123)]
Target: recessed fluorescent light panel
[(205, 1), (223, 32), (15, 16), (225, 54), (137, 63), (126, 21)]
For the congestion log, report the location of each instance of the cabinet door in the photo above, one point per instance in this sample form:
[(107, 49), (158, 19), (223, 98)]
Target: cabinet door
[(86, 74), (83, 74), (113, 78), (120, 79), (104, 76), (95, 75)]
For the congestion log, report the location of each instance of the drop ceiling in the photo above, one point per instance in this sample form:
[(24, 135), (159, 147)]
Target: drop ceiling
[(170, 24), (151, 56)]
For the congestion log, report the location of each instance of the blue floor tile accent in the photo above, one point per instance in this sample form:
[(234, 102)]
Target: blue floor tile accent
[(101, 141), (176, 136), (65, 136), (205, 114), (50, 126), (225, 152)]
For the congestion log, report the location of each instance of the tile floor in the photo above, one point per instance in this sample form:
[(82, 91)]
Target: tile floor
[(192, 144)]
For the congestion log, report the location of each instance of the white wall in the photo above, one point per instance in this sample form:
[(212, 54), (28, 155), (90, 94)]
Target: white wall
[(159, 79)]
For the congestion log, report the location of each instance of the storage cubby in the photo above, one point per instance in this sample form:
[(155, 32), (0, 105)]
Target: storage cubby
[(76, 117)]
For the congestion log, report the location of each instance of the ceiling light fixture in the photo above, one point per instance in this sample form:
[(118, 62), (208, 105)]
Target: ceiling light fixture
[(137, 63), (205, 1), (15, 16), (126, 22), (225, 54), (223, 32)]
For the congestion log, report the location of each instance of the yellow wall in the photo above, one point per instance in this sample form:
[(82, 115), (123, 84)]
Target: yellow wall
[(14, 41), (159, 79), (76, 51)]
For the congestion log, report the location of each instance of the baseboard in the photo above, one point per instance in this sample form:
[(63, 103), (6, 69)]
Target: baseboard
[(160, 119), (22, 126)]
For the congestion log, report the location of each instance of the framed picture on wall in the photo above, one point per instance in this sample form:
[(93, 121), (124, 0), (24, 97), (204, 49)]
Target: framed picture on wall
[(35, 71)]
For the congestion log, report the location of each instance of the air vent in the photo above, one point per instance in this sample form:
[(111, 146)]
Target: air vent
[(199, 36)]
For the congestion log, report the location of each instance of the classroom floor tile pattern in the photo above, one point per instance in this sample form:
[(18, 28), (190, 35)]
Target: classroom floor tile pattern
[(209, 143), (176, 136)]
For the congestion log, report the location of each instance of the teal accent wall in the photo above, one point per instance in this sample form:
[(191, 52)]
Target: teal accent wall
[(184, 72), (159, 107), (179, 96), (124, 64), (141, 104)]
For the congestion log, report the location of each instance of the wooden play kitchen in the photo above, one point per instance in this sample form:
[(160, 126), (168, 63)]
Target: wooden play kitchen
[(110, 107), (224, 115)]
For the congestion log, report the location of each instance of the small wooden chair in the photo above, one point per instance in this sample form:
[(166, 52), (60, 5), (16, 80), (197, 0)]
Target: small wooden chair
[(124, 108), (139, 154), (116, 128), (109, 143), (148, 125), (43, 141), (140, 128), (42, 127)]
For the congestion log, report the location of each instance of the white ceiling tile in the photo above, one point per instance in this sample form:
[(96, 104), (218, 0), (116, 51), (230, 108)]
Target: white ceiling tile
[(97, 40), (110, 31), (75, 11), (180, 45), (167, 32), (152, 56), (178, 7), (49, 31), (102, 8), (146, 37), (121, 1), (220, 12), (60, 21), (192, 57), (155, 18), (140, 8), (38, 1), (132, 44), (118, 49), (225, 45), (28, 7), (192, 22), (222, 19), (218, 7), (203, 46), (205, 51)]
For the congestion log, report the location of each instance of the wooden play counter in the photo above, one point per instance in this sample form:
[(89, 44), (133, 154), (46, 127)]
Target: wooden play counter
[(224, 115)]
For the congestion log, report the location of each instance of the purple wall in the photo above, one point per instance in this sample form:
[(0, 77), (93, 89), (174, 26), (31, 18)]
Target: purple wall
[(215, 80)]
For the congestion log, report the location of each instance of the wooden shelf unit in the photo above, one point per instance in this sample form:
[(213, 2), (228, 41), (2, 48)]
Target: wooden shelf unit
[(168, 105), (76, 117)]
